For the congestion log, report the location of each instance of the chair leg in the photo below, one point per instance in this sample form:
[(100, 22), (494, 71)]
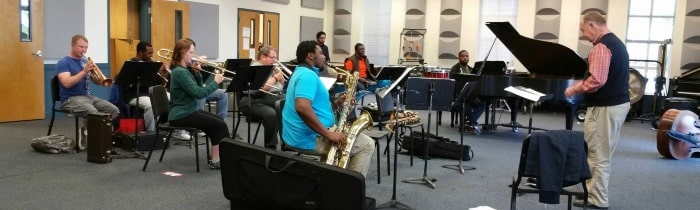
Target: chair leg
[(167, 143), (248, 122), (53, 116), (150, 151), (412, 145), (77, 134), (257, 130), (196, 149), (376, 145), (206, 141)]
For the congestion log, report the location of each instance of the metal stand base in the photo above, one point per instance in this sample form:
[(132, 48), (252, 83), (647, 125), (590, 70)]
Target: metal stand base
[(424, 180), (394, 204), (460, 168)]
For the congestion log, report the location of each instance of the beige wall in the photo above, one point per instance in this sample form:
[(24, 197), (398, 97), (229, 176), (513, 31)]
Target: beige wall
[(96, 26)]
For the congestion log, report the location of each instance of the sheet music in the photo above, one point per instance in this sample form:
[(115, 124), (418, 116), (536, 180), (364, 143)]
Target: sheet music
[(328, 82), (524, 92)]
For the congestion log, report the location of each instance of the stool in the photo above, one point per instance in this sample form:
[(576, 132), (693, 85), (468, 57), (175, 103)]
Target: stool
[(410, 128), (376, 135)]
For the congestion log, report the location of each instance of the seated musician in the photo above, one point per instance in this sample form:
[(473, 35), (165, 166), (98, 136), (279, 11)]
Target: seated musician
[(262, 105), (144, 53), (219, 95), (360, 62), (186, 87), (73, 72), (475, 107), (308, 112)]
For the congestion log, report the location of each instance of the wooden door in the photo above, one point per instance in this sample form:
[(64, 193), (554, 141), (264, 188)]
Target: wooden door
[(248, 33), (164, 28), (271, 30), (22, 80)]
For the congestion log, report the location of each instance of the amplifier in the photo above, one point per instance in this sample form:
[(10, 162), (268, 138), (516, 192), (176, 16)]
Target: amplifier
[(99, 139)]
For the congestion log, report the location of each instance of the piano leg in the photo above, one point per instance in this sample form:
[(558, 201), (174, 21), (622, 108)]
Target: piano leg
[(490, 115)]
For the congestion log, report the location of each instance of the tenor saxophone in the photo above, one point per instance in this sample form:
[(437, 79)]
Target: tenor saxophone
[(339, 153)]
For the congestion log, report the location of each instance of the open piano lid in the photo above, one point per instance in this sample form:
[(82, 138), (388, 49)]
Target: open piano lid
[(540, 57)]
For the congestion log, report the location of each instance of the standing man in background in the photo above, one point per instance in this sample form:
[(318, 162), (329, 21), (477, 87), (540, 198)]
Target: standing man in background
[(321, 41), (606, 93)]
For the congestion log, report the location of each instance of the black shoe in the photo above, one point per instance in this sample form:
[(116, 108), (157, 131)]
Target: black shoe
[(579, 203), (216, 165)]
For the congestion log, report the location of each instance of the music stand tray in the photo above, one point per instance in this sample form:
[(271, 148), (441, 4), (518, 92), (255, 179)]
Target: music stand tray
[(398, 76), (249, 78)]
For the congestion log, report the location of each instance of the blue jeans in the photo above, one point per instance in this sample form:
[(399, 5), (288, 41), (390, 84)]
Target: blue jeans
[(221, 98)]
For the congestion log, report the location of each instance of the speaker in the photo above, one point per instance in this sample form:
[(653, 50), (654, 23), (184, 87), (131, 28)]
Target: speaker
[(99, 139)]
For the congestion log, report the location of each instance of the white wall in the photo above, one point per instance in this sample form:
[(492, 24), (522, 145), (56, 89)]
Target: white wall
[(96, 22), (97, 29), (290, 15)]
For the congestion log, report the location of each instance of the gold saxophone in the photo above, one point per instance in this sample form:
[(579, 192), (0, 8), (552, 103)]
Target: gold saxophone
[(405, 118), (339, 154)]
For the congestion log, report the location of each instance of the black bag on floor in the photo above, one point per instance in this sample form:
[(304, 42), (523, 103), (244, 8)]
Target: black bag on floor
[(254, 177), (437, 146)]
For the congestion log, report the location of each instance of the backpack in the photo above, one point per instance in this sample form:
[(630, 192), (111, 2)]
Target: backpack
[(53, 144)]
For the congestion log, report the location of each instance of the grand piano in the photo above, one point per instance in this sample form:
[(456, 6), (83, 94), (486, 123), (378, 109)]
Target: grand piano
[(552, 68), (687, 85)]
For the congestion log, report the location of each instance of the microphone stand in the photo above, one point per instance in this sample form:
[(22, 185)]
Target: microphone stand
[(393, 203), (425, 179), (459, 165)]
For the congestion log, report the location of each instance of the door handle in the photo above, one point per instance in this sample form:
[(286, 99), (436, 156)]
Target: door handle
[(38, 53)]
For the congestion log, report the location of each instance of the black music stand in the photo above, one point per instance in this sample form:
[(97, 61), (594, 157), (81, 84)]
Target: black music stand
[(530, 95), (249, 80), (418, 94), (135, 74), (464, 95), (234, 64), (398, 76), (421, 92)]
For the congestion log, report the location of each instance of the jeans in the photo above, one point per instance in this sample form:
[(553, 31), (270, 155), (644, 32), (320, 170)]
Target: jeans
[(83, 105), (221, 102), (148, 118)]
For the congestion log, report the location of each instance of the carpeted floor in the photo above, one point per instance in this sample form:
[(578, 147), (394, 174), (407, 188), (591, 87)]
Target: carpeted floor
[(641, 178)]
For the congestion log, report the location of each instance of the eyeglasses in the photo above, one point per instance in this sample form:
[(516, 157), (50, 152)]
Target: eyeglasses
[(273, 57)]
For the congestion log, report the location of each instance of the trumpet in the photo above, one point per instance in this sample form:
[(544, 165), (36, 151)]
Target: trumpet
[(96, 74), (286, 73), (167, 54)]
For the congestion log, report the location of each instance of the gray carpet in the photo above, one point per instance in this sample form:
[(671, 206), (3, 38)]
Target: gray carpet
[(641, 178)]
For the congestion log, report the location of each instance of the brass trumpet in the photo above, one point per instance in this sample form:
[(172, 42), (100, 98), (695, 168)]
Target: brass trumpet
[(167, 54), (96, 74)]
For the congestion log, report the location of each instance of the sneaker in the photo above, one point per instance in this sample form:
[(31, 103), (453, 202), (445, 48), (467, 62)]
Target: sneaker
[(475, 129), (215, 165), (579, 203), (182, 135)]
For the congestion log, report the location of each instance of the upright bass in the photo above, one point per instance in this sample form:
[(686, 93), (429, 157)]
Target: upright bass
[(678, 134)]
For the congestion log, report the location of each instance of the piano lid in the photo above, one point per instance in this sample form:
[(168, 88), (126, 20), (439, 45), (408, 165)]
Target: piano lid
[(540, 57)]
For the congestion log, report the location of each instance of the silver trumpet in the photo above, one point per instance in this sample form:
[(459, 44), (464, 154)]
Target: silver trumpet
[(167, 54), (286, 73)]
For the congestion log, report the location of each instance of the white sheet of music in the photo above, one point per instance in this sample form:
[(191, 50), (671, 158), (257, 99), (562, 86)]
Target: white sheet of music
[(524, 92)]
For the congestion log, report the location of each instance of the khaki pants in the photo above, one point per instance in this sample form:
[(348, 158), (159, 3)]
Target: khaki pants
[(360, 154), (602, 133)]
